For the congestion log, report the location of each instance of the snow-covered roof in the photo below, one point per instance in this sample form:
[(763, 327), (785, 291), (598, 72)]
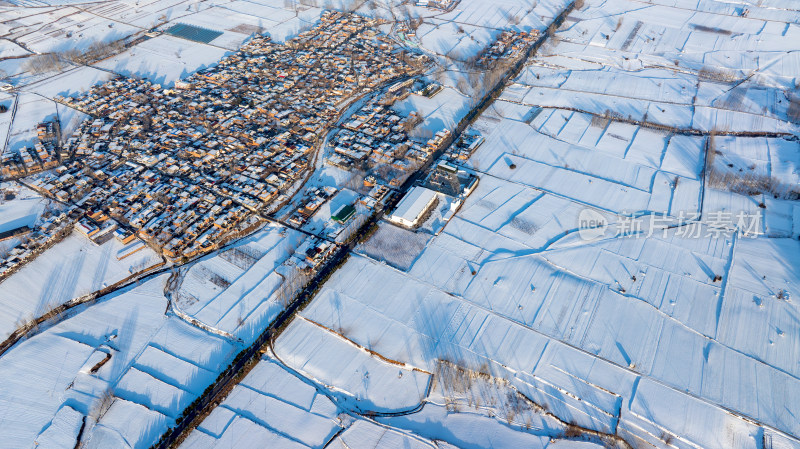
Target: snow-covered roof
[(413, 205)]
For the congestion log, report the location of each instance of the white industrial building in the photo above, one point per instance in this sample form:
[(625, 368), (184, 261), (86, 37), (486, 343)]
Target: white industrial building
[(414, 206)]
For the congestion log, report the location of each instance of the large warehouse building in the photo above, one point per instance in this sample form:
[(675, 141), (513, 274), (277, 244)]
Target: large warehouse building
[(414, 206)]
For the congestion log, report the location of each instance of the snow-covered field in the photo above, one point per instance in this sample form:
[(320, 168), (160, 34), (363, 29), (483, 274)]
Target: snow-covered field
[(516, 311), (679, 337), (69, 82), (31, 110), (269, 408), (613, 166), (394, 245), (241, 290), (59, 28), (442, 111), (684, 69), (367, 382), (72, 268), (129, 364), (6, 118), (164, 59), (23, 211), (51, 371), (672, 328)]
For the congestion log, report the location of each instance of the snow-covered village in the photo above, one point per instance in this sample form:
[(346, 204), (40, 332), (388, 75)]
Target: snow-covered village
[(439, 224)]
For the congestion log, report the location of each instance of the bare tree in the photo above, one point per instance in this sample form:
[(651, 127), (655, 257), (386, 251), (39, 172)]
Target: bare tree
[(101, 405)]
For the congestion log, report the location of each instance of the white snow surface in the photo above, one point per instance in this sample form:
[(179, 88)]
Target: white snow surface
[(368, 382), (668, 336), (159, 363), (270, 406), (670, 340), (70, 269), (20, 212)]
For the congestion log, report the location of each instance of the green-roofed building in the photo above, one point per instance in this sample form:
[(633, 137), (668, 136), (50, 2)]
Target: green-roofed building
[(344, 213)]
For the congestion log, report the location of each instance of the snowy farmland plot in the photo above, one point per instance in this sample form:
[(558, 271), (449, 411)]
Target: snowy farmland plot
[(163, 59), (626, 274), (274, 405), (396, 246), (70, 269), (364, 433), (366, 382), (24, 209), (318, 378), (660, 336), (269, 407), (519, 338), (665, 64), (476, 410), (132, 362), (61, 27), (612, 166), (31, 110), (242, 289), (758, 176), (442, 111), (35, 392)]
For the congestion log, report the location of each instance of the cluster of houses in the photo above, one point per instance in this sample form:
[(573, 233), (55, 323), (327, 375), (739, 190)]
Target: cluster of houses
[(186, 167), (375, 140), (509, 46), (312, 253), (312, 200), (32, 241), (445, 5), (462, 149), (44, 155)]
